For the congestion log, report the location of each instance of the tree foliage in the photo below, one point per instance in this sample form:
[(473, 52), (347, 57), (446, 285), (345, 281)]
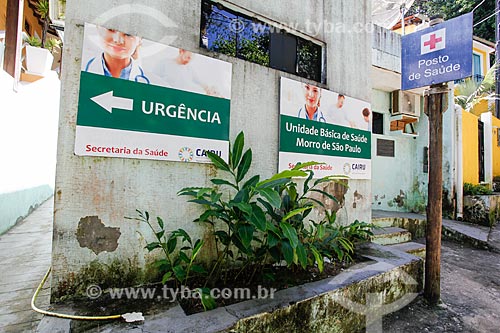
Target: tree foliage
[(453, 8), (470, 93), (254, 49)]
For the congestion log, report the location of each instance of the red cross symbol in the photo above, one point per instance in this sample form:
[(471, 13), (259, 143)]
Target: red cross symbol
[(433, 41)]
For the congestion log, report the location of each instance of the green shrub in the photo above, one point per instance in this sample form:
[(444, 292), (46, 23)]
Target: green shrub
[(33, 41), (470, 189), (50, 44), (256, 224), (176, 265), (259, 222)]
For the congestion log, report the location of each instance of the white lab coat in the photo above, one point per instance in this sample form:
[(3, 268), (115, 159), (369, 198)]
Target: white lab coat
[(94, 65)]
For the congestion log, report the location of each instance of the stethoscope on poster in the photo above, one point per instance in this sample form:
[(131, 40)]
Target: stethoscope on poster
[(137, 73), (319, 117)]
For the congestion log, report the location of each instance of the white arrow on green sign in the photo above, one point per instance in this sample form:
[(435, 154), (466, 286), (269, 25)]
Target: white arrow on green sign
[(148, 122), (154, 109), (109, 102)]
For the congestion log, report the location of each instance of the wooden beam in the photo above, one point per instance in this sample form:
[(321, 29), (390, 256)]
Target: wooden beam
[(11, 25), (435, 103)]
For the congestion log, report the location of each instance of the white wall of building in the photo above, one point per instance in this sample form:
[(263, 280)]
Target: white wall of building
[(28, 143)]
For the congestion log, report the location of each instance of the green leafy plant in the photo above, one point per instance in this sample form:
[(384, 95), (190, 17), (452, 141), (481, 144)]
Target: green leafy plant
[(300, 242), (470, 93), (177, 265), (257, 225), (471, 189), (33, 41), (316, 239), (61, 9), (206, 298), (42, 8), (259, 222), (350, 235), (357, 231), (243, 219), (52, 43)]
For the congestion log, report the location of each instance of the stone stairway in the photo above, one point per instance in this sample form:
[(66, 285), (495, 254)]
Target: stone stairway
[(389, 234)]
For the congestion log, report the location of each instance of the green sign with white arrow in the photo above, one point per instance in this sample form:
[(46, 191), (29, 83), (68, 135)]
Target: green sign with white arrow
[(173, 106), (112, 103)]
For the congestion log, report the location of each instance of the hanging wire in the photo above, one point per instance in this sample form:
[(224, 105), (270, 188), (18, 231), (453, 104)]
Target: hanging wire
[(487, 18), (478, 6)]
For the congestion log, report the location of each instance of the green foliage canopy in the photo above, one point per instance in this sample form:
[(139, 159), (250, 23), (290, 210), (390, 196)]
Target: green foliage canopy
[(453, 8)]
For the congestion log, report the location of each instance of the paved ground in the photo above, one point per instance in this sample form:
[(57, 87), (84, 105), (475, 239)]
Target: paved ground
[(25, 253), (470, 286)]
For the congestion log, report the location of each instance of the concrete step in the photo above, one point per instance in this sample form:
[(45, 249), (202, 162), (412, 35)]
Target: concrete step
[(390, 235), (383, 222), (416, 249)]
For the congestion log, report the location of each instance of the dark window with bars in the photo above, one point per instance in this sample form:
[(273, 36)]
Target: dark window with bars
[(378, 123)]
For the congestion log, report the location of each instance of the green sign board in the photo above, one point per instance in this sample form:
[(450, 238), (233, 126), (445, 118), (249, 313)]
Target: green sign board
[(164, 111), (322, 126)]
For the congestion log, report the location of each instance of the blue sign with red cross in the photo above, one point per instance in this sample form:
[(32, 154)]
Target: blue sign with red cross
[(437, 54)]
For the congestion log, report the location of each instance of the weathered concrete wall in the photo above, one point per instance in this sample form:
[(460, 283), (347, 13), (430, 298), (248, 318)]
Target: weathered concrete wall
[(323, 315), (399, 182), (449, 152), (348, 67), (15, 206), (386, 51), (420, 178), (101, 192)]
